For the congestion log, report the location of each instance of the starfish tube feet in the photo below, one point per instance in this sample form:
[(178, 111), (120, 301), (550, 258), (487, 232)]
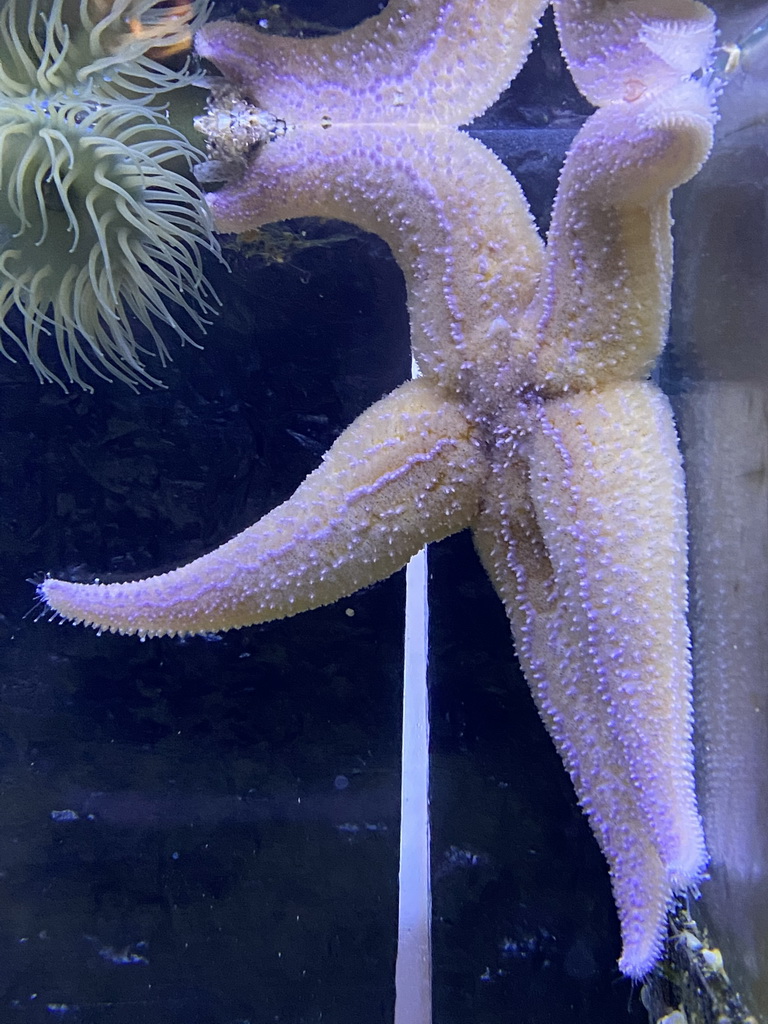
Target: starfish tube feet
[(455, 219), (583, 535), (607, 487), (619, 50), (600, 314), (557, 667), (418, 61), (406, 472)]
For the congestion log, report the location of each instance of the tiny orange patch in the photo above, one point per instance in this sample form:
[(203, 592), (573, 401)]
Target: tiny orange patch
[(174, 14), (634, 89)]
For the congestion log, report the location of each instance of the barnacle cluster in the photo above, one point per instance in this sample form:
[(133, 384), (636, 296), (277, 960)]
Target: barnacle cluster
[(101, 224), (233, 128)]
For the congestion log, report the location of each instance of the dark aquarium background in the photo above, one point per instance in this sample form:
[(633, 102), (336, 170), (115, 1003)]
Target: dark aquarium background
[(206, 831)]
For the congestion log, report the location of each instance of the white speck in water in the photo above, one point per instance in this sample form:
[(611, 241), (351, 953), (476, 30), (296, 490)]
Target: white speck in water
[(67, 815)]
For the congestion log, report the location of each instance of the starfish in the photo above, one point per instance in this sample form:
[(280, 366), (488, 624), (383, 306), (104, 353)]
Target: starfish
[(534, 422)]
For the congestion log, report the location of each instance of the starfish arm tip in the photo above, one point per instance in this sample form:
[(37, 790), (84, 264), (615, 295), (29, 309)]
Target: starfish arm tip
[(406, 472)]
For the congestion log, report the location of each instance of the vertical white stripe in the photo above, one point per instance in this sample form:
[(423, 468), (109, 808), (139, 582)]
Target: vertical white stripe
[(413, 973)]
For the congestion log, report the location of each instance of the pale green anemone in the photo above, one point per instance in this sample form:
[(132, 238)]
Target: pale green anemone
[(97, 224), (101, 225), (55, 45)]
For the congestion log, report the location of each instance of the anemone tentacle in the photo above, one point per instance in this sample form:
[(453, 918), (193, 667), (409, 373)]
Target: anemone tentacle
[(101, 223), (52, 45), (98, 228)]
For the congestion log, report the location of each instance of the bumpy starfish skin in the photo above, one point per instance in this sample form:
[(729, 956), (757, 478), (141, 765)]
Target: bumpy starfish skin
[(610, 237), (600, 636), (408, 471), (418, 62), (620, 50), (534, 422)]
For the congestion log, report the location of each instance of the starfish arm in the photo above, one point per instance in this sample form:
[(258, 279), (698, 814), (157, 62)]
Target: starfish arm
[(512, 549), (455, 219), (406, 472), (624, 49), (584, 538), (600, 314), (435, 61), (607, 486)]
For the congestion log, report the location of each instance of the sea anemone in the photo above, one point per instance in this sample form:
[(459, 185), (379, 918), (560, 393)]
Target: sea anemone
[(55, 45), (97, 224), (101, 223)]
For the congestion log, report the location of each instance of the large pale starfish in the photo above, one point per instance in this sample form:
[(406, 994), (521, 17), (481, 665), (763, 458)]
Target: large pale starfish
[(534, 422)]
